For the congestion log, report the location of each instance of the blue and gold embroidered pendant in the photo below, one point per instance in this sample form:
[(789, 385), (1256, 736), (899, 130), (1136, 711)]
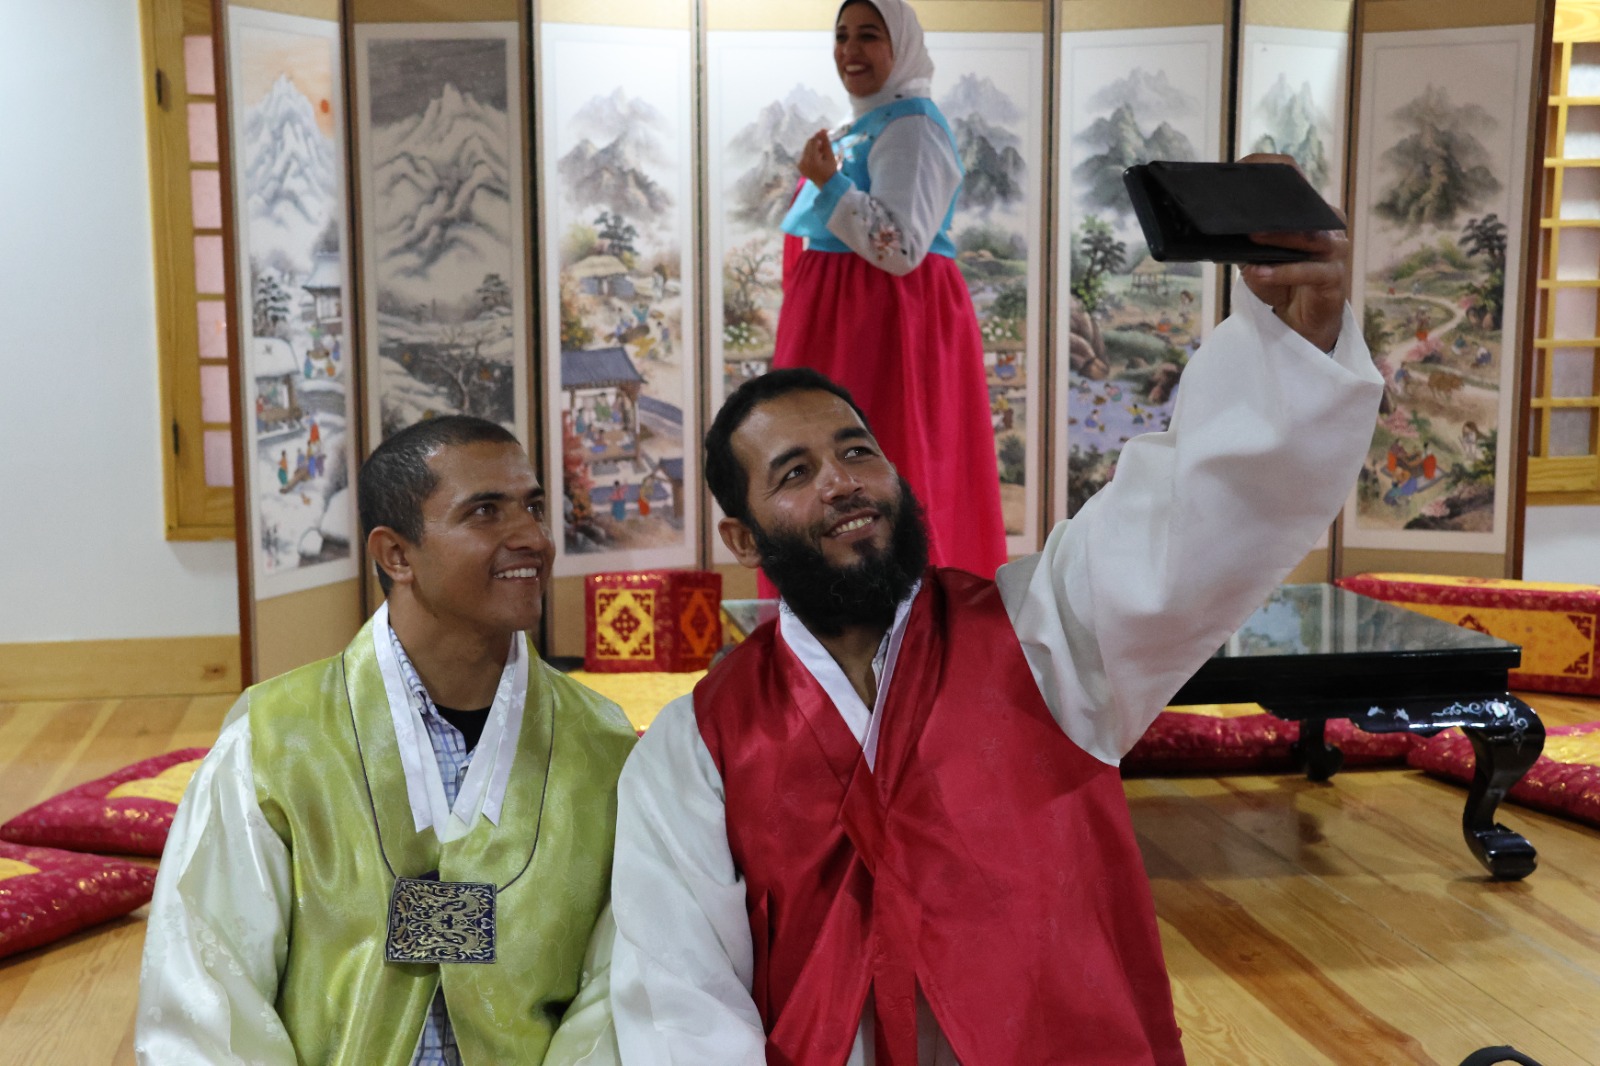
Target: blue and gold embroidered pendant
[(434, 921)]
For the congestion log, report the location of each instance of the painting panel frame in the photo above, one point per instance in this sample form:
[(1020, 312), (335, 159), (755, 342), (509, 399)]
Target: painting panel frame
[(1267, 53), (969, 64), (659, 523), (496, 386), (294, 362), (1430, 383), (1091, 103)]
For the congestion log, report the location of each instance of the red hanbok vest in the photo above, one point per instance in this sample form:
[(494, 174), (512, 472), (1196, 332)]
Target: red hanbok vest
[(987, 858)]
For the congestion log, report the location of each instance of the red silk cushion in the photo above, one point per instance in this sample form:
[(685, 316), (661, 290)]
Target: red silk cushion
[(46, 894), (127, 812), (1227, 738), (1565, 780)]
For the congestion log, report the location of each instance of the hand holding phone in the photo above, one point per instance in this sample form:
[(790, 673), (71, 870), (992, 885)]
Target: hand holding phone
[(1207, 211)]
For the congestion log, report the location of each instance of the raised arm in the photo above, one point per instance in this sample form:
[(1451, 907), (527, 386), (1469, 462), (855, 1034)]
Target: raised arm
[(915, 176), (682, 964), (216, 938), (1200, 522)]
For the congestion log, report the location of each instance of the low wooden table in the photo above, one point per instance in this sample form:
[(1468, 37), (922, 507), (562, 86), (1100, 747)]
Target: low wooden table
[(1315, 652)]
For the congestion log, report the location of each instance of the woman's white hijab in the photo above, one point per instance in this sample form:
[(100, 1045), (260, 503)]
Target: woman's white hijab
[(913, 67)]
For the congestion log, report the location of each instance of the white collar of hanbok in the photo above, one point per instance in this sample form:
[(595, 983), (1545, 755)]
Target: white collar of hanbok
[(822, 666), (484, 787)]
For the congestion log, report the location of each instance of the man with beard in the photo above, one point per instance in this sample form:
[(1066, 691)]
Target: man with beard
[(889, 827)]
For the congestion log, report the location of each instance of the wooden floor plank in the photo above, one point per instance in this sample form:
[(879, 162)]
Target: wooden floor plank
[(1346, 971)]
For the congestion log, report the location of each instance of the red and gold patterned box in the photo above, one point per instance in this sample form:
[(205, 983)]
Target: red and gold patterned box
[(651, 620), (1558, 626)]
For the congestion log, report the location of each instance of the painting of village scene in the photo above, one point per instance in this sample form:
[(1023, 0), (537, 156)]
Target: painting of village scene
[(442, 193), (1292, 100), (296, 360), (769, 92), (1130, 323), (620, 353), (1438, 202)]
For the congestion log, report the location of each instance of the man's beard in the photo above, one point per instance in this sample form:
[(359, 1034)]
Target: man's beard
[(828, 598)]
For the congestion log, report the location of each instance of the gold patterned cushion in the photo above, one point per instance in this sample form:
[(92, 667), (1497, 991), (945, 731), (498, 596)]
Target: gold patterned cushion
[(127, 812), (46, 894), (1232, 737), (1565, 780)]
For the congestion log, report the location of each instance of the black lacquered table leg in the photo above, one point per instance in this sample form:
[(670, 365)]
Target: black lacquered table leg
[(1313, 754), (1503, 757)]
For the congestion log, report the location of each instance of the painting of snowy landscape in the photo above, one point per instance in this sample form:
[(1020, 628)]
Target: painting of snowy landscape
[(1130, 323), (768, 92), (1292, 100), (287, 145), (619, 349), (1438, 201), (442, 192)]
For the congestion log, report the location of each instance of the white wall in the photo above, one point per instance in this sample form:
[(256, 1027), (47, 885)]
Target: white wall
[(1562, 544), (82, 553)]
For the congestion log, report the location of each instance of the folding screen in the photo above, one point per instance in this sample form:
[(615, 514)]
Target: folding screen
[(297, 541), (1137, 82), (619, 351), (1440, 209)]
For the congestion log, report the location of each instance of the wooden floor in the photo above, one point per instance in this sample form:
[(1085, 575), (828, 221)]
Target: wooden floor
[(1341, 923)]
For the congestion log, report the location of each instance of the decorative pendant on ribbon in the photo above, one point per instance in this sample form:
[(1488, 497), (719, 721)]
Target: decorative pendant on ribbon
[(436, 921)]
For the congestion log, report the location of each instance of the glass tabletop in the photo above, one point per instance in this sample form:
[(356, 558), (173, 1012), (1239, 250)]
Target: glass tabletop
[(1302, 620)]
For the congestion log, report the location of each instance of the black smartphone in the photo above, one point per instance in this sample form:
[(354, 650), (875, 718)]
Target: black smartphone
[(1207, 211)]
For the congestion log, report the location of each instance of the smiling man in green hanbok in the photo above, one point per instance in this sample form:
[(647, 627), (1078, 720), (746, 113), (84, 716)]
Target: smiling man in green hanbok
[(400, 855)]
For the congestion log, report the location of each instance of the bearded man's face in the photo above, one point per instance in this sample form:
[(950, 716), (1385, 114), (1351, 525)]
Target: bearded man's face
[(827, 516), (828, 595)]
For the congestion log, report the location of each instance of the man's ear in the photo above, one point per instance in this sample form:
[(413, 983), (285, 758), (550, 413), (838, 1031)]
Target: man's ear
[(392, 553), (740, 541)]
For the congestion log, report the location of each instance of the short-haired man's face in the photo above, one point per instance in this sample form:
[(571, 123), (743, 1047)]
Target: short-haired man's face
[(829, 518), (485, 553)]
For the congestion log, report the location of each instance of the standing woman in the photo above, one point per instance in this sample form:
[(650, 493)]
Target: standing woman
[(876, 301)]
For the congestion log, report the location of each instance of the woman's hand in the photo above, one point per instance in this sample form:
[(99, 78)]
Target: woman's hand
[(817, 161)]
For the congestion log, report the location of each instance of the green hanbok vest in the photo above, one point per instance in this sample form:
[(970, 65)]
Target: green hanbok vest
[(329, 780)]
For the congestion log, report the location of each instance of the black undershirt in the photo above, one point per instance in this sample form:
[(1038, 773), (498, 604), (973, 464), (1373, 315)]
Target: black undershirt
[(470, 723)]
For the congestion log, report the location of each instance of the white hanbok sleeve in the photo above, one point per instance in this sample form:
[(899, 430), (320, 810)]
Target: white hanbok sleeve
[(683, 962), (586, 1036), (1130, 597), (915, 176), (216, 938)]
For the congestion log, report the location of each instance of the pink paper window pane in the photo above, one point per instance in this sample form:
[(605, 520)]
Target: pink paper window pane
[(214, 392), (219, 458), (208, 277), (212, 318), (198, 74), (202, 133), (205, 193)]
